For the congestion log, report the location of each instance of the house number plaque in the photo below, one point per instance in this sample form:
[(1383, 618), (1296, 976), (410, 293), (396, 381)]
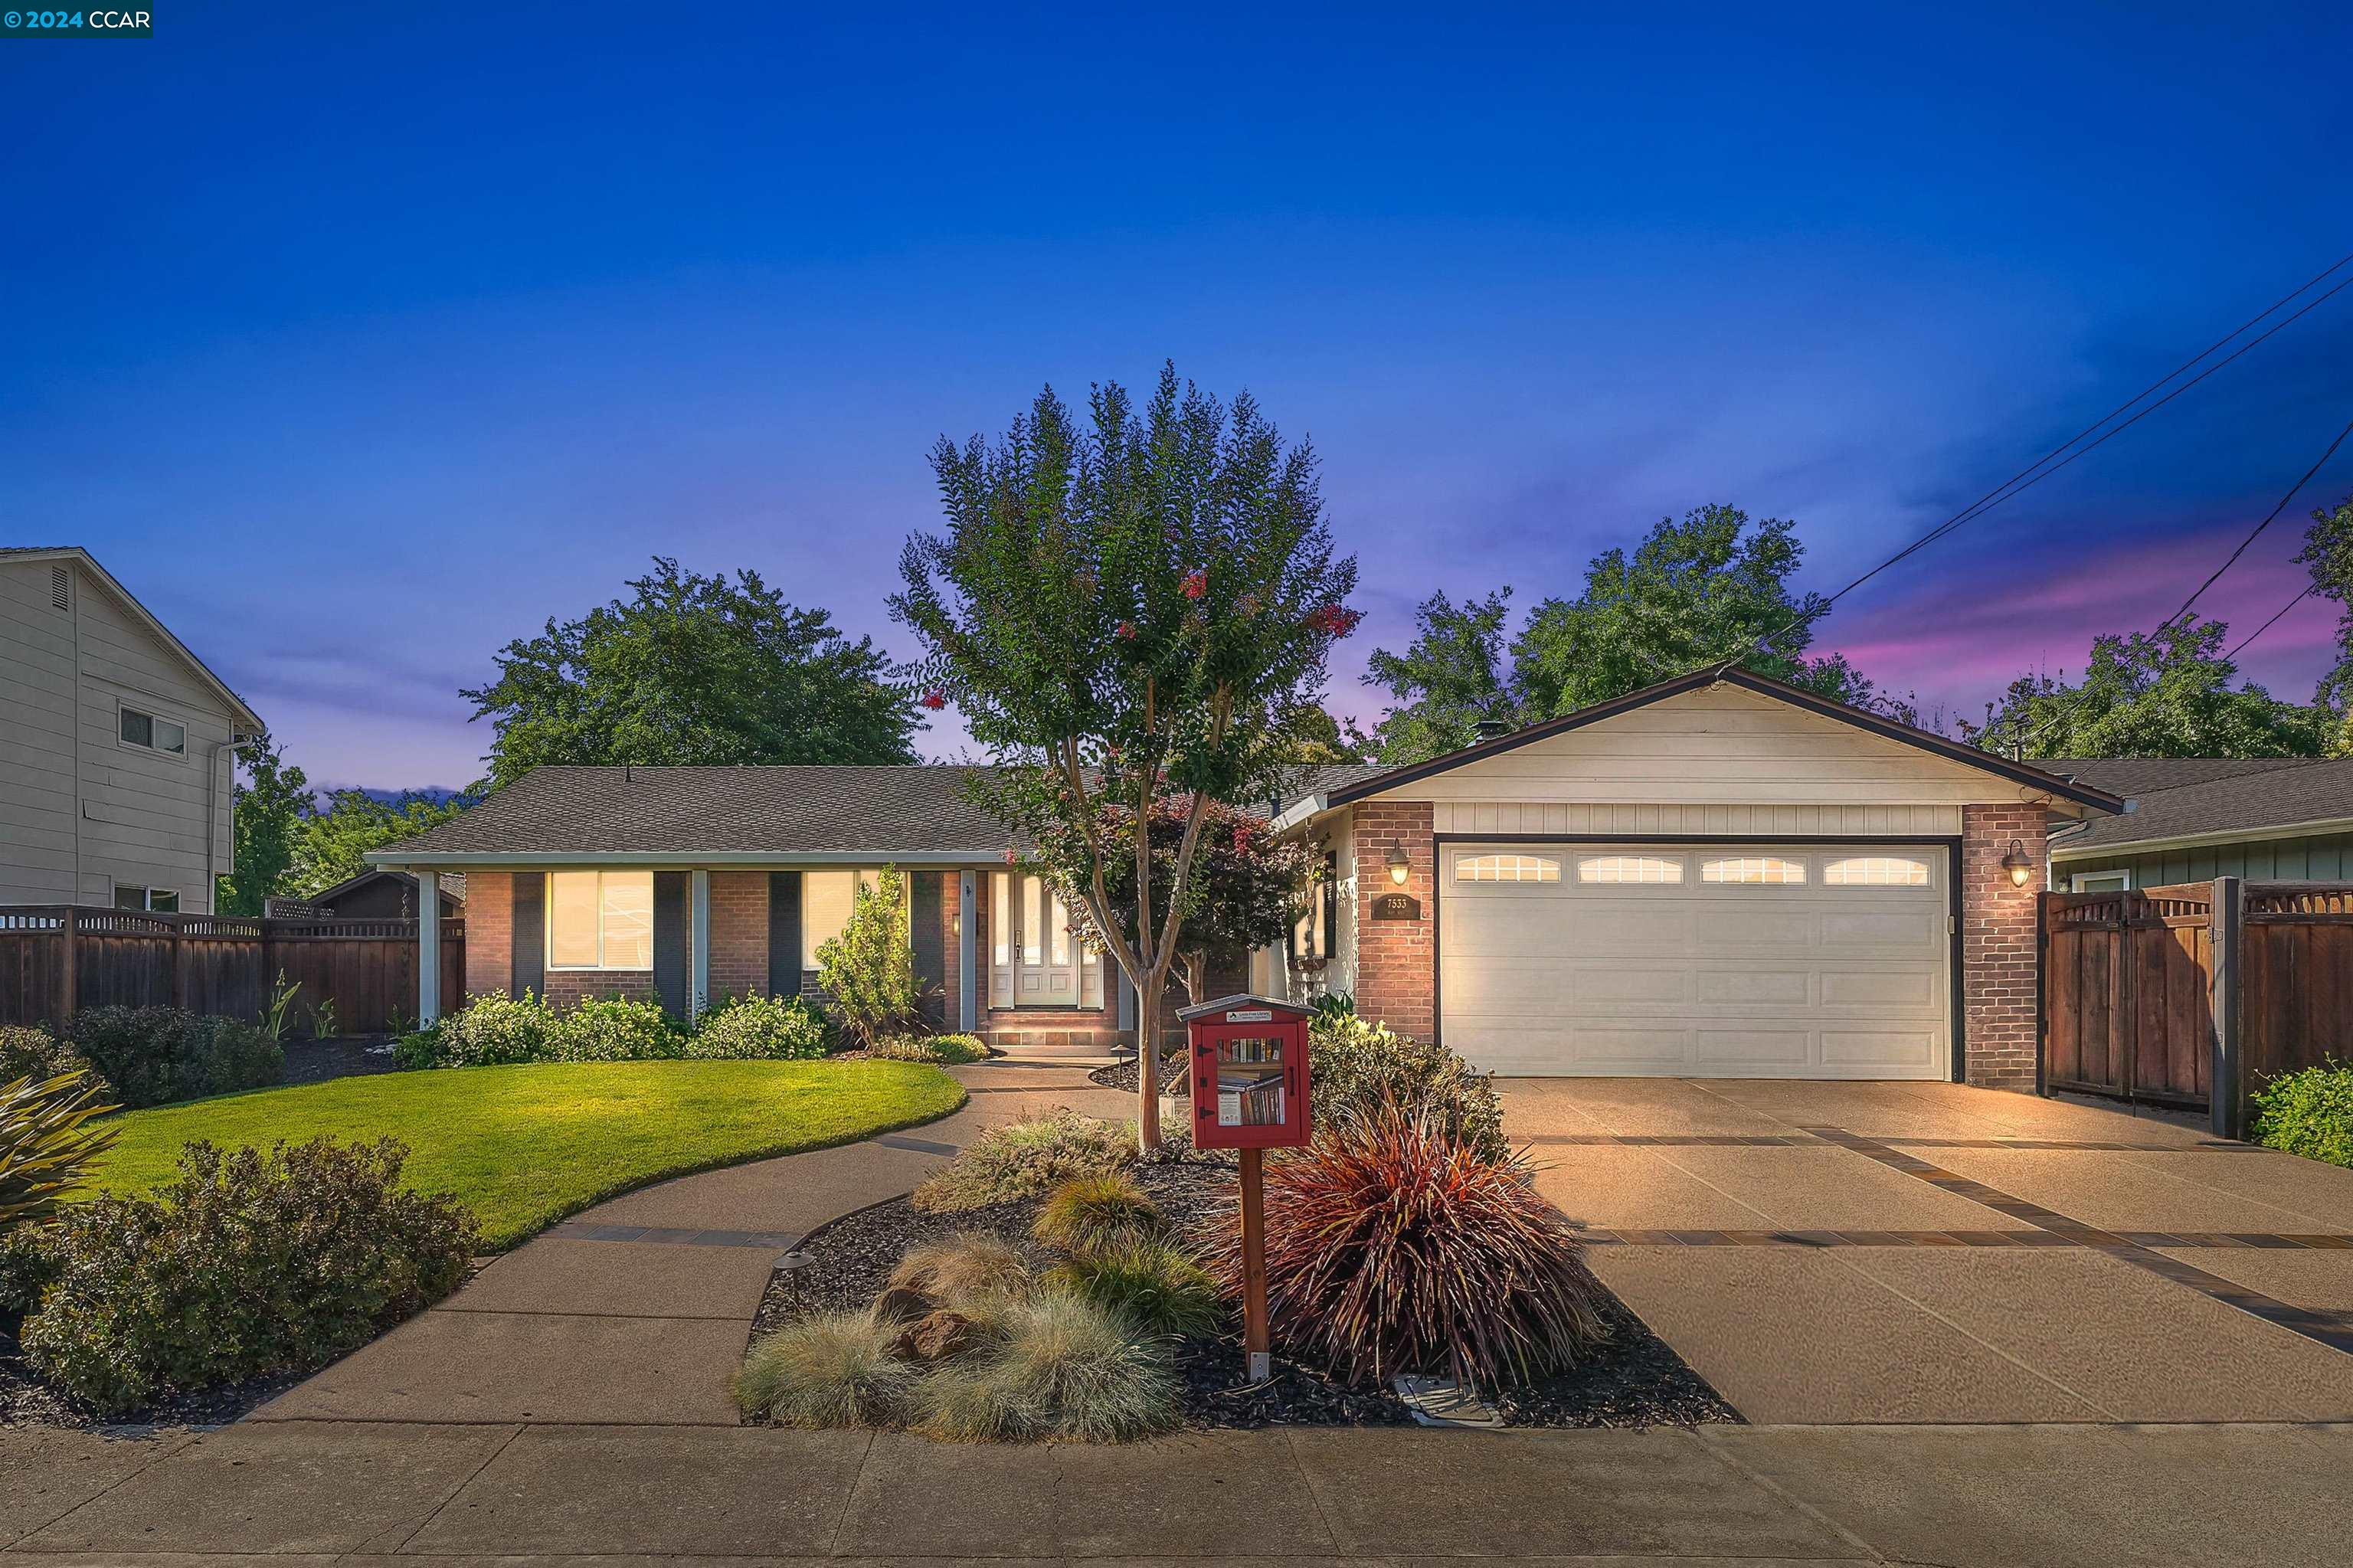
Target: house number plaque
[(1397, 906)]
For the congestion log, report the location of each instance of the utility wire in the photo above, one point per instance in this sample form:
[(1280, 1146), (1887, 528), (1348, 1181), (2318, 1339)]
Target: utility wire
[(2232, 559), (2274, 621), (2045, 466)]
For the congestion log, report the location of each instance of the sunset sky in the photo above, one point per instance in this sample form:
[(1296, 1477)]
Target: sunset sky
[(357, 341)]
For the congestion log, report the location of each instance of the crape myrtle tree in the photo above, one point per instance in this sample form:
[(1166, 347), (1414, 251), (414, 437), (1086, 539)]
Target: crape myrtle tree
[(1136, 606)]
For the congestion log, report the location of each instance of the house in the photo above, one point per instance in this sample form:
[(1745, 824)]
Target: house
[(1717, 876), (116, 784), (685, 885), (375, 894), (2267, 819)]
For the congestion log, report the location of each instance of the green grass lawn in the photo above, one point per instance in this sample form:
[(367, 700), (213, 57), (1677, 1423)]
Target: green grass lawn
[(522, 1147)]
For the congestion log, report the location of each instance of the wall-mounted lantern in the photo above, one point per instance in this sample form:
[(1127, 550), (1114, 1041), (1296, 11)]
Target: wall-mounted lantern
[(2017, 864), (1399, 867)]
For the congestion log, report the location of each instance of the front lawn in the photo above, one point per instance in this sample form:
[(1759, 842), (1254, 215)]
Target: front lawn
[(524, 1146)]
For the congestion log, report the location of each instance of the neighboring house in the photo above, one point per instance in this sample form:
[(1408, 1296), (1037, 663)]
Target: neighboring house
[(117, 778), (1714, 877), (689, 885), (2268, 818), (373, 895), (1718, 877)]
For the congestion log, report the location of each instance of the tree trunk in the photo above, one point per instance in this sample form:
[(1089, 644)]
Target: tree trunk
[(1148, 1059)]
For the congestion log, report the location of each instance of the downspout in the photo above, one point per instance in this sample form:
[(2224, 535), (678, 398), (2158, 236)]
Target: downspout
[(212, 809)]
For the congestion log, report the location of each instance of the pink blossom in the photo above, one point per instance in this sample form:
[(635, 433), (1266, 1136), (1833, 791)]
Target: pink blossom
[(936, 700), (1197, 582)]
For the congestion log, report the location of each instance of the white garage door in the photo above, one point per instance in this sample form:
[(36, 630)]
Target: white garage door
[(1745, 961)]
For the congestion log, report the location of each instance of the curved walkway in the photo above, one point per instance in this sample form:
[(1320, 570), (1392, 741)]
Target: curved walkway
[(637, 1309)]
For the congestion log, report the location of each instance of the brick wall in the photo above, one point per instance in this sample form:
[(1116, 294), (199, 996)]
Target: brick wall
[(1397, 960), (1998, 945), (739, 934), (566, 987), (489, 934)]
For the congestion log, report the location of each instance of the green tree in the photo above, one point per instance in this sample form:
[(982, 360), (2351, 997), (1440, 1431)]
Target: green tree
[(867, 973), (2327, 555), (2169, 694), (1710, 588), (271, 799), (693, 669), (329, 843), (1450, 677), (1134, 606)]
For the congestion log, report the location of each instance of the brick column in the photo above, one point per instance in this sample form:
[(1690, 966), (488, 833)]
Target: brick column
[(1397, 960), (489, 934), (1998, 947), (739, 934)]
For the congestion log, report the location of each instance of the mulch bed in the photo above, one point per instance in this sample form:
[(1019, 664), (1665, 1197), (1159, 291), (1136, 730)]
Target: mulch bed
[(339, 1057), (1633, 1380), (1124, 1075), (26, 1401)]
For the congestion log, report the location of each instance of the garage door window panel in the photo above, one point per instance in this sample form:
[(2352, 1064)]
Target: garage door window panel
[(1877, 870), (1640, 870), (1506, 868), (1754, 870)]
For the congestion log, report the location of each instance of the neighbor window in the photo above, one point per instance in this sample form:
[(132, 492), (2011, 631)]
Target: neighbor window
[(1507, 868), (1877, 870), (1752, 869), (2102, 881), (600, 919), (144, 729), (1628, 868), (158, 900)]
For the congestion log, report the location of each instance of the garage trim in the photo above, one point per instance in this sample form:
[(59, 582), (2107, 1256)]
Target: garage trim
[(1952, 847)]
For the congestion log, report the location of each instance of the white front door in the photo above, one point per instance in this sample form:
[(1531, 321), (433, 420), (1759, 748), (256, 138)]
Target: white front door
[(1717, 960), (1036, 958)]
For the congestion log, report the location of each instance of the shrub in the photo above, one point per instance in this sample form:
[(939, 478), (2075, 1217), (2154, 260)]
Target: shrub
[(782, 1028), (1392, 1246), (248, 1264), (1159, 1288), (155, 1054), (2308, 1113), (1097, 1211), (962, 1268), (947, 1050), (1355, 1067), (1066, 1368), (830, 1370), (29, 1051), (1025, 1159), (867, 973), (491, 1030), (48, 1142), (613, 1029), (1335, 1005), (28, 1266)]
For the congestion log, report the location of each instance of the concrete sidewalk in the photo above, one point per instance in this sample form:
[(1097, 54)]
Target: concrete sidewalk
[(2013, 1497), (639, 1309)]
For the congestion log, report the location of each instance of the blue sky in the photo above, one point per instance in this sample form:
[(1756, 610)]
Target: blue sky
[(359, 342)]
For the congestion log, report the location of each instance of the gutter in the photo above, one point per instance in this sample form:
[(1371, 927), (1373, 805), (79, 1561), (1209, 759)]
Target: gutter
[(2313, 830), (420, 860), (1299, 812)]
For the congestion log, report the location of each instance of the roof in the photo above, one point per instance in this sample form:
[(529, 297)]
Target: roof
[(780, 815), (2033, 774), (2139, 775), (250, 721), (452, 884), (2292, 796)]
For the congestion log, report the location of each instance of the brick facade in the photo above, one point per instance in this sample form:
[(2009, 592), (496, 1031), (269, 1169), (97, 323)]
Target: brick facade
[(1397, 960), (1998, 951), (566, 987), (739, 934), (489, 934)]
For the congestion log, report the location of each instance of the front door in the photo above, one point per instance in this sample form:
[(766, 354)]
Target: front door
[(1036, 958)]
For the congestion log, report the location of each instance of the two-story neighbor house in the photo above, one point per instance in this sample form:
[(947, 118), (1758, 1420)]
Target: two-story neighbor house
[(116, 745)]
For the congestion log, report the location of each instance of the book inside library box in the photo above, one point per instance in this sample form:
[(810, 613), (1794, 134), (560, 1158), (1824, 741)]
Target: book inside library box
[(1249, 1083)]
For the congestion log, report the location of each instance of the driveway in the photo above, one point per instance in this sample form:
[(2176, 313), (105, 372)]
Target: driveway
[(1935, 1253)]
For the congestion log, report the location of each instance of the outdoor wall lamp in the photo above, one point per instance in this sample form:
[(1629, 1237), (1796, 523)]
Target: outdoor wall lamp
[(2017, 864), (1399, 867)]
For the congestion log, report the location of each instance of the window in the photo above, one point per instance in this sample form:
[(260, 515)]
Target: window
[(1753, 868), (600, 919), (1628, 868), (1877, 870), (156, 900), (2102, 881), (1507, 868), (152, 734), (827, 897), (1000, 919)]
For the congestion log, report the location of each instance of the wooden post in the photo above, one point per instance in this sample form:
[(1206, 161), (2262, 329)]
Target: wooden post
[(70, 979), (179, 961), (2225, 1091), (1254, 1330)]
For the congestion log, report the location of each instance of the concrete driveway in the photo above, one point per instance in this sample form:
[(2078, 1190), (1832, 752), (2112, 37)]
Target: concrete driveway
[(1933, 1252)]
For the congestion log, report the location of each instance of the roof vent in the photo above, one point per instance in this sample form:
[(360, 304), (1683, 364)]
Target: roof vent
[(60, 587), (1495, 728)]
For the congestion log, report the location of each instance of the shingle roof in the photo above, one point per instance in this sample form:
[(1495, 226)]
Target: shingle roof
[(2234, 800), (902, 810), (2140, 775)]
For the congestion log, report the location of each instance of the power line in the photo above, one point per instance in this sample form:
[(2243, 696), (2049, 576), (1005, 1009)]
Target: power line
[(2232, 559), (2045, 466), (2274, 621)]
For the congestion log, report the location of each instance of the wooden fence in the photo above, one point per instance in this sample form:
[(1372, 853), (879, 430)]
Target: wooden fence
[(359, 975), (2161, 993)]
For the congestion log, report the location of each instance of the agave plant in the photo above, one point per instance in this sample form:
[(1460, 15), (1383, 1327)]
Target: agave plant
[(46, 1143), (1393, 1246)]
